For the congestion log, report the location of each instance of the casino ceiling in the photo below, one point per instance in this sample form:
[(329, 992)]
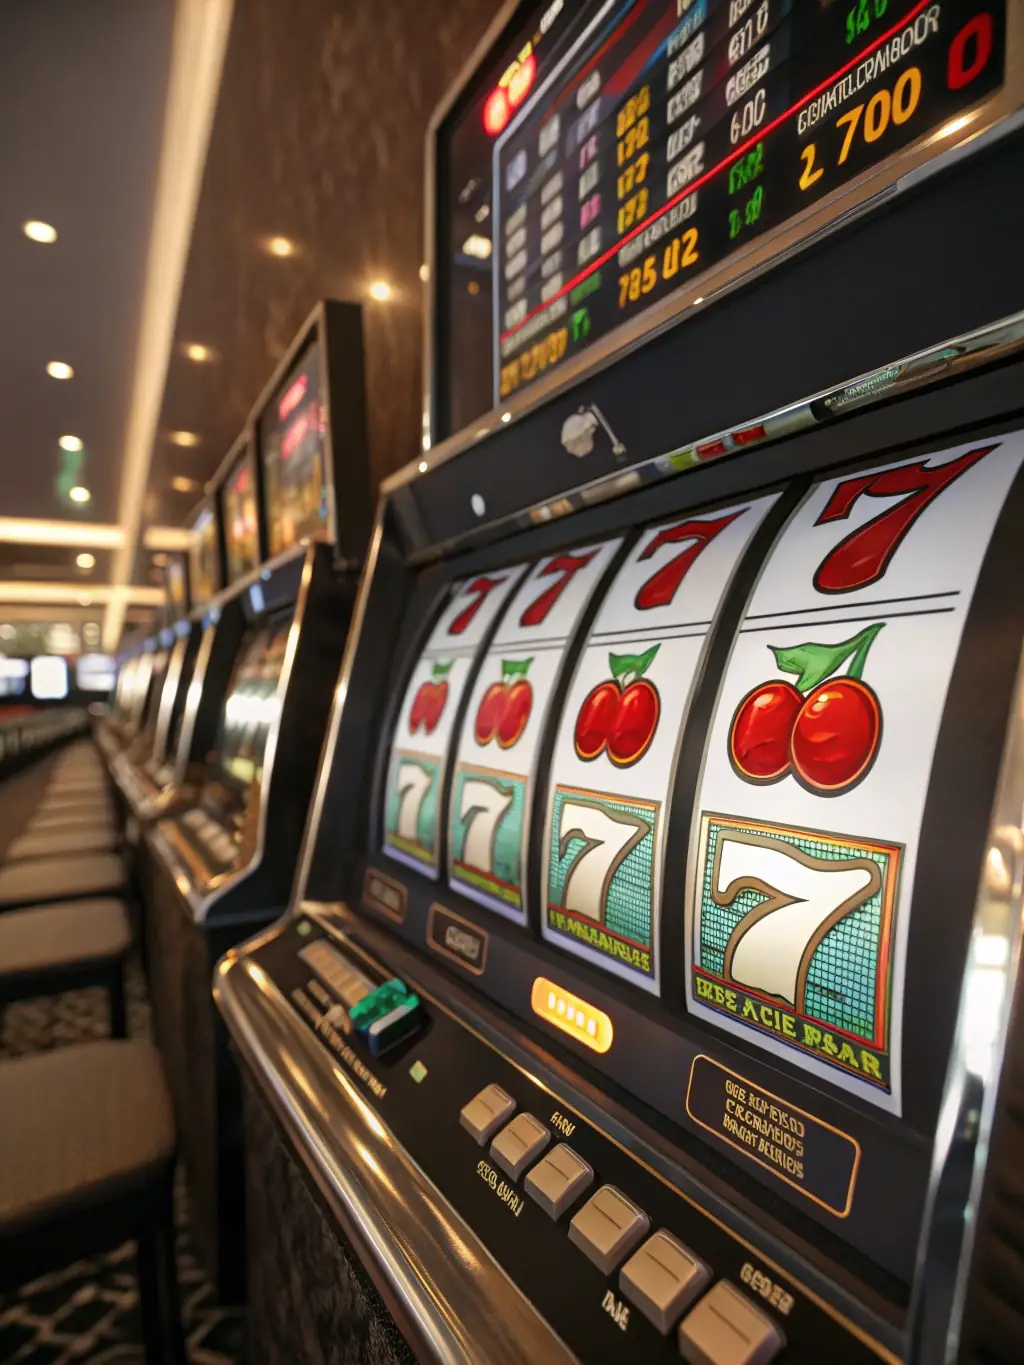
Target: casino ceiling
[(210, 170)]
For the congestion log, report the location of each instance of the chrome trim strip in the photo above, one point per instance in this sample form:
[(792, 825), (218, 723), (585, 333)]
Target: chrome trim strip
[(926, 155), (168, 695), (972, 1081), (348, 658), (192, 699), (202, 903), (450, 1298), (943, 361)]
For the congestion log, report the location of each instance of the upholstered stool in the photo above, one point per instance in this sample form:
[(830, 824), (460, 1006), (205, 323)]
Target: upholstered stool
[(60, 842), (44, 823), (35, 881), (86, 1162), (47, 949)]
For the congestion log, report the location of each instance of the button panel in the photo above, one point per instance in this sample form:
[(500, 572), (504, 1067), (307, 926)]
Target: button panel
[(727, 1329), (559, 1180), (607, 1227), (519, 1143)]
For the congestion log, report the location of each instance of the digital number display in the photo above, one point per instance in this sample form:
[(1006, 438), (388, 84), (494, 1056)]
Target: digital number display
[(292, 445), (669, 135), (241, 522)]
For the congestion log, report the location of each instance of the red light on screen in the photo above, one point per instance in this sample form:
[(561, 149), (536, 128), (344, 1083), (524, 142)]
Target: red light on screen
[(521, 80), (496, 111), (292, 397)]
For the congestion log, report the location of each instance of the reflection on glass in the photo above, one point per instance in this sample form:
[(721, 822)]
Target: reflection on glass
[(240, 520)]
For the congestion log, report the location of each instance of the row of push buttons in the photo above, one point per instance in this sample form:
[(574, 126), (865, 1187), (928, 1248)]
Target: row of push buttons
[(661, 1277)]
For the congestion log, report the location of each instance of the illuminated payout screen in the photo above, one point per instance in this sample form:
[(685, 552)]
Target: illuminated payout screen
[(292, 444), (252, 705), (627, 147), (241, 521), (204, 556)]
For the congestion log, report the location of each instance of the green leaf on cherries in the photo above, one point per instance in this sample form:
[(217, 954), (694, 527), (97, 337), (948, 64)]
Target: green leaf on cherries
[(637, 665), (813, 663), (515, 668), (441, 670)]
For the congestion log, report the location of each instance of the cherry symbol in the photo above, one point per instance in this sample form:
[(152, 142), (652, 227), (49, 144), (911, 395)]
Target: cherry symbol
[(826, 730), (430, 700), (505, 707), (621, 714)]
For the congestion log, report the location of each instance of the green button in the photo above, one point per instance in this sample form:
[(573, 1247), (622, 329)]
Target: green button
[(378, 1003)]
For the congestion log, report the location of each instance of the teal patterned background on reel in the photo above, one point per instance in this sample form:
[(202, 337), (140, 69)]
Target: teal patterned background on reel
[(412, 805), (487, 832), (600, 873), (843, 978)]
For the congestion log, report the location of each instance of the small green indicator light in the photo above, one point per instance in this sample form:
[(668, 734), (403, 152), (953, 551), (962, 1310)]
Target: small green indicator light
[(304, 927), (417, 1071)]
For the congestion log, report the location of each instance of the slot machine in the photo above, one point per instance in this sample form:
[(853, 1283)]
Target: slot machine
[(648, 990), (294, 504)]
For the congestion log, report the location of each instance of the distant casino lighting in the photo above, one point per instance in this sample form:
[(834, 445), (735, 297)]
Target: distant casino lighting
[(72, 443), (79, 494), (506, 417), (423, 466), (57, 369), (380, 290), (279, 246), (472, 287), (482, 213), (478, 246), (85, 560), (181, 484), (185, 439), (199, 353), (424, 272), (496, 112), (39, 232), (161, 560)]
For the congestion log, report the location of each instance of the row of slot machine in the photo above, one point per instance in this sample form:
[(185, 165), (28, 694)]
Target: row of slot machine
[(640, 981)]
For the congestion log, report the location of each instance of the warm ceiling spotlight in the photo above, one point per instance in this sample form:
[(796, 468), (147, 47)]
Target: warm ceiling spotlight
[(161, 560), (199, 353), (424, 272), (72, 443), (39, 232), (79, 494), (85, 560), (380, 290), (279, 246), (185, 439), (85, 600), (181, 484), (58, 369)]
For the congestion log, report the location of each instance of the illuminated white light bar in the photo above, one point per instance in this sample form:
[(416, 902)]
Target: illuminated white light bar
[(70, 594)]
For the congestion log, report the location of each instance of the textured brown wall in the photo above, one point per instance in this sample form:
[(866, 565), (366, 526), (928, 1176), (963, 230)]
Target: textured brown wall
[(319, 137)]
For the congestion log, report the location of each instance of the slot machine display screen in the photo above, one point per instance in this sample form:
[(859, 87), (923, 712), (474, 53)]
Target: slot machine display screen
[(241, 519), (95, 673), (13, 677), (615, 151), (535, 767), (292, 436), (205, 556), (252, 706)]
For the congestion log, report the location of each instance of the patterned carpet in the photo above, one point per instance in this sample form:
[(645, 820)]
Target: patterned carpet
[(89, 1312)]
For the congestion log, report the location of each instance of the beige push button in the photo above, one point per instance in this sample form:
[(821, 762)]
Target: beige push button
[(559, 1179), (608, 1227), (486, 1112), (727, 1329), (518, 1144), (662, 1278)]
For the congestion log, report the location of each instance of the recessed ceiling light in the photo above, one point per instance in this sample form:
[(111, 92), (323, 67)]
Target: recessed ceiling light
[(424, 273), (39, 232), (181, 484), (199, 353), (71, 443), (183, 438), (85, 560), (380, 290), (79, 494), (57, 369), (279, 246), (85, 601), (161, 560), (477, 245)]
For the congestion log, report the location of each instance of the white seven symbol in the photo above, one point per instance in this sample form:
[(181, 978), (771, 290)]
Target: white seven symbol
[(770, 949), (414, 781), (483, 805), (609, 836)]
